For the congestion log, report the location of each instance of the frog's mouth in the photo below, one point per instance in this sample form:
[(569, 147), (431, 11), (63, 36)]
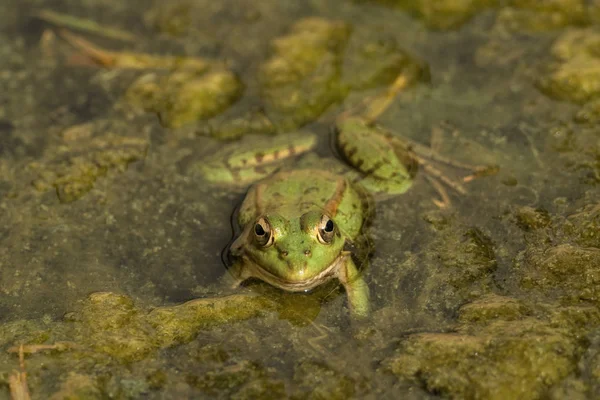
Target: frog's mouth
[(296, 285)]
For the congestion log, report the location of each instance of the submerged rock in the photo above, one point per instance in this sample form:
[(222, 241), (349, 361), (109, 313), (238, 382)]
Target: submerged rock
[(509, 356), (184, 97), (576, 76), (445, 14), (88, 153)]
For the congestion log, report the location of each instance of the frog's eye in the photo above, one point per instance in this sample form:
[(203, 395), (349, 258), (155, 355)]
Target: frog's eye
[(262, 233), (326, 230)]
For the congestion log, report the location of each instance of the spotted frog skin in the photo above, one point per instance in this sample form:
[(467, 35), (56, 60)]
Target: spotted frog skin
[(296, 228)]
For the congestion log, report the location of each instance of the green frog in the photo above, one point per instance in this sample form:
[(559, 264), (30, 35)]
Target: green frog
[(298, 225)]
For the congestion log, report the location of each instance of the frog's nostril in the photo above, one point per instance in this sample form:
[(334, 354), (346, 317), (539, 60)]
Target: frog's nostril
[(284, 253), (307, 253)]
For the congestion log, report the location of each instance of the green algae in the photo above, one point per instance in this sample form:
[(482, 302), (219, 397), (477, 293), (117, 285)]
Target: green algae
[(181, 323), (512, 15), (545, 15), (111, 324), (492, 307), (446, 14), (524, 355), (302, 77), (529, 218), (493, 297), (575, 76), (461, 262), (315, 66), (185, 97), (79, 163), (109, 328)]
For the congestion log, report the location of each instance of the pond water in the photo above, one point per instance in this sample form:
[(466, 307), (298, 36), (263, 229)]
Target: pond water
[(112, 234)]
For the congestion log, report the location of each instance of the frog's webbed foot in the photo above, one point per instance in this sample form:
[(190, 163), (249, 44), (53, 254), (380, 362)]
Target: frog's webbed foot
[(437, 179), (429, 160)]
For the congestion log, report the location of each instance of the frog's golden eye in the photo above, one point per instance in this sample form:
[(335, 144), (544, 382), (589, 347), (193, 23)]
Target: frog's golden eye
[(326, 230), (263, 232)]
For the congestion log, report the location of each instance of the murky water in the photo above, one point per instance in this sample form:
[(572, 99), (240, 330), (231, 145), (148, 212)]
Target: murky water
[(106, 226)]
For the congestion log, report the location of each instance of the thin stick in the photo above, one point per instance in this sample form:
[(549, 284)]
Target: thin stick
[(34, 348), (101, 56), (17, 382), (82, 24)]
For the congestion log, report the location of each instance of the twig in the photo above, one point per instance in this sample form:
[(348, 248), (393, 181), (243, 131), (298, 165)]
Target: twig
[(82, 24), (18, 380)]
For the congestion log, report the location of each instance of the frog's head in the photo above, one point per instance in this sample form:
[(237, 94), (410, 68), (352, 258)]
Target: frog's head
[(293, 250)]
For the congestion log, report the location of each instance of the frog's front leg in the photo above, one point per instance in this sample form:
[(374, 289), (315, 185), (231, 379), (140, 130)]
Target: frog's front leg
[(235, 275), (356, 287)]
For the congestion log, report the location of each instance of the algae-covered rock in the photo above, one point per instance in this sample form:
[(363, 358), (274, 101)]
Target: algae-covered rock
[(78, 386), (172, 17), (241, 380), (372, 60), (589, 113), (568, 271), (111, 324), (501, 359), (578, 149), (317, 380), (532, 15), (178, 324), (576, 77), (109, 346), (460, 265), (74, 168), (254, 122), (492, 307), (584, 226), (186, 96), (302, 76), (314, 66), (529, 218), (444, 14), (575, 42), (576, 80)]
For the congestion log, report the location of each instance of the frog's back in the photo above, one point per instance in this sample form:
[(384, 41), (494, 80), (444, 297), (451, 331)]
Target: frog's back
[(293, 193)]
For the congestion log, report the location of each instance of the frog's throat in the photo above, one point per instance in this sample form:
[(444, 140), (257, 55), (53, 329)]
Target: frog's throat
[(255, 271)]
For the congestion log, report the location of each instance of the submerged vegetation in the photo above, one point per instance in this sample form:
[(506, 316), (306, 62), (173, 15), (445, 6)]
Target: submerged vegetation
[(111, 280)]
